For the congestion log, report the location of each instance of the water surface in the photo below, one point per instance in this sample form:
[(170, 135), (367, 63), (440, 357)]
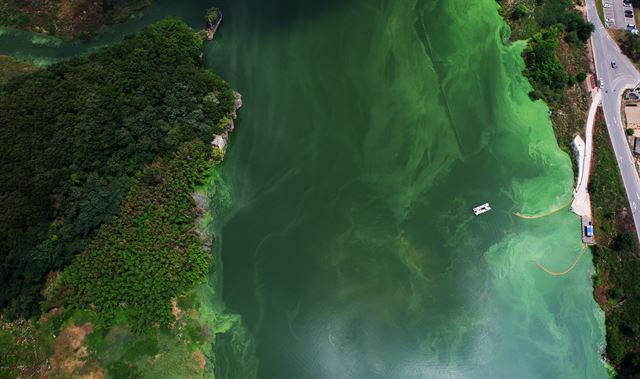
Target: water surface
[(369, 131)]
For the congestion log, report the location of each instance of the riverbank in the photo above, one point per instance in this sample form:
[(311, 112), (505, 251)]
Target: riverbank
[(615, 256), (557, 60)]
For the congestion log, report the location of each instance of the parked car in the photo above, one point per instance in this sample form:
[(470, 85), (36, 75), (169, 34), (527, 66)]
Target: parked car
[(606, 5), (601, 83), (588, 230), (609, 20), (614, 64)]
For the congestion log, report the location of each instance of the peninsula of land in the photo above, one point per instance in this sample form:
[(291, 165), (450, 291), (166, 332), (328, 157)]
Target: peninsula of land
[(106, 252)]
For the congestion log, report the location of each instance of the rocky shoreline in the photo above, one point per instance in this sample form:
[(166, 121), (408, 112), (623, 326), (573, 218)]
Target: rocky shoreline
[(219, 145), (213, 18), (219, 142)]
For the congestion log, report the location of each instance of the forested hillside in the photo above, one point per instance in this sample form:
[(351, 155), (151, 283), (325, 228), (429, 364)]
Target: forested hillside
[(66, 19), (100, 230), (147, 255), (73, 137)]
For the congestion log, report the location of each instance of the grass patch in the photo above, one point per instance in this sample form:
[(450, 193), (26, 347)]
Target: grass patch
[(600, 10)]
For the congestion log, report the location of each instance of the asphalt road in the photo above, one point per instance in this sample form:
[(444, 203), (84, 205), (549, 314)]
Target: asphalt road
[(615, 80)]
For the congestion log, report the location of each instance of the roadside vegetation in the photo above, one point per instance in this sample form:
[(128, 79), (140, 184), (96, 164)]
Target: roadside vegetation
[(556, 58), (600, 11), (67, 19), (629, 44), (616, 257)]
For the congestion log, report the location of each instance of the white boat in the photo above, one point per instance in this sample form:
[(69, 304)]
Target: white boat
[(480, 209)]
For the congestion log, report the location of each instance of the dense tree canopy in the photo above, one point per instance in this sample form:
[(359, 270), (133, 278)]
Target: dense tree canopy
[(147, 255), (73, 136), (631, 46)]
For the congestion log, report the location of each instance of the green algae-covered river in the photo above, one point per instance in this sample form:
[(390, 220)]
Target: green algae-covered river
[(369, 131)]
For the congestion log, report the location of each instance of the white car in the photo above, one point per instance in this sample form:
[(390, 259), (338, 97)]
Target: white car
[(609, 20), (601, 83), (606, 5)]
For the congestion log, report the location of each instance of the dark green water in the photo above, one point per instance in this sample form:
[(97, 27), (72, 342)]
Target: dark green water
[(369, 131)]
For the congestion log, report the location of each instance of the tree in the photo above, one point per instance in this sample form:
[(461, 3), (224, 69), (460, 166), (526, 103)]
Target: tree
[(631, 46), (571, 37)]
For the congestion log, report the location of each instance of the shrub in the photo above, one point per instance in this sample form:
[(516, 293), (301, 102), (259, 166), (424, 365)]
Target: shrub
[(519, 11)]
